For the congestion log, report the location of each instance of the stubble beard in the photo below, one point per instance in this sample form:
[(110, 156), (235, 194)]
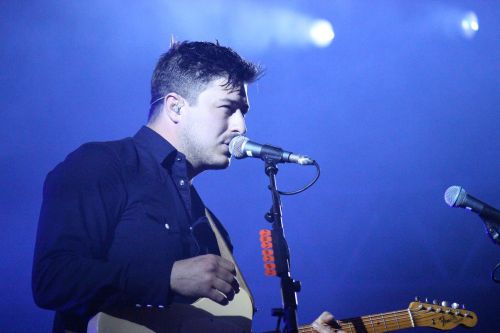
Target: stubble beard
[(203, 157)]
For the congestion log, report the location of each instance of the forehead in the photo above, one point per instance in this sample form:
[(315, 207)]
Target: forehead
[(217, 90)]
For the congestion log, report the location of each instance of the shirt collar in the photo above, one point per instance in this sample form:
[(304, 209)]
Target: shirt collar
[(156, 145)]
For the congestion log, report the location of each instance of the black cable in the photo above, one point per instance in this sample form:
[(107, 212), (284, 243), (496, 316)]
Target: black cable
[(494, 273), (307, 186)]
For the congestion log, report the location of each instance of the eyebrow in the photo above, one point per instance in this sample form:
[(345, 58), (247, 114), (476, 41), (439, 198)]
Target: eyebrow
[(243, 105)]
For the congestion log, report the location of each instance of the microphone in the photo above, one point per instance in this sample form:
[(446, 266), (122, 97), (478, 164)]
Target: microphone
[(455, 196), (241, 147)]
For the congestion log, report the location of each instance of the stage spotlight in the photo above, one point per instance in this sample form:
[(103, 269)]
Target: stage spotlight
[(469, 25), (321, 33), (255, 26)]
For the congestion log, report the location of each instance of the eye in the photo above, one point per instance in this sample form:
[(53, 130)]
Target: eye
[(228, 109), (231, 109)]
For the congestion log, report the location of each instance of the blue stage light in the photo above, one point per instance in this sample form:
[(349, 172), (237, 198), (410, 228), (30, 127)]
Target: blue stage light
[(470, 25), (321, 33), (254, 26)]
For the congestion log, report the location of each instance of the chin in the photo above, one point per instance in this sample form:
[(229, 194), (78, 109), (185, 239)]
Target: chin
[(221, 164)]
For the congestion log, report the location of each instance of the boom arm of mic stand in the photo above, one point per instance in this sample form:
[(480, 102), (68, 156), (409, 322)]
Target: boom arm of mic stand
[(289, 287)]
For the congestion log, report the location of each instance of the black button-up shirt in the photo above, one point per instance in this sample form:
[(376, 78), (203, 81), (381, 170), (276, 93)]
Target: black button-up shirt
[(115, 217)]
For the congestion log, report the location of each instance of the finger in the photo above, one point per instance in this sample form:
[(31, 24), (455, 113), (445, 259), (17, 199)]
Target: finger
[(227, 275), (226, 265), (230, 280), (225, 288), (326, 323), (236, 285), (217, 296), (327, 317), (325, 328)]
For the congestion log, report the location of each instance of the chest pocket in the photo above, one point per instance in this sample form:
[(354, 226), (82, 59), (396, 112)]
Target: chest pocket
[(166, 218), (176, 229)]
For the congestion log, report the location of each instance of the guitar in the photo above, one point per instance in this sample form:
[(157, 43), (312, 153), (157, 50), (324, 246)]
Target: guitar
[(207, 316), (417, 314)]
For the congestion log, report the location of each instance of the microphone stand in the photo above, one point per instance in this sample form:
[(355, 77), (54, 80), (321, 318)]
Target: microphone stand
[(493, 229), (289, 286)]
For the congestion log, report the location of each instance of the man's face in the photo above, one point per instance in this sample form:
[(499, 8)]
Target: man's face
[(211, 123)]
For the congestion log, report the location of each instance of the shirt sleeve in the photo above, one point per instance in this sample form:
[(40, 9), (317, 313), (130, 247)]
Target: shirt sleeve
[(82, 200)]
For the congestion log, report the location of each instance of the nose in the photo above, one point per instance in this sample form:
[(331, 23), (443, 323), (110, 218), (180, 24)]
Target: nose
[(237, 123)]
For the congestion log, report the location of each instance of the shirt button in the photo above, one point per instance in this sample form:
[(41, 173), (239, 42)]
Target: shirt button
[(167, 226), (181, 182), (178, 159)]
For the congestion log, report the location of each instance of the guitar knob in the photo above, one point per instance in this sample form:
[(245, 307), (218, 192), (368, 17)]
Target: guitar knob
[(455, 305), (463, 306), (435, 302), (416, 299), (426, 300), (444, 303)]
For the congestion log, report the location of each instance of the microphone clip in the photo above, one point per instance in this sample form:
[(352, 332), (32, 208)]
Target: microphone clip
[(492, 229)]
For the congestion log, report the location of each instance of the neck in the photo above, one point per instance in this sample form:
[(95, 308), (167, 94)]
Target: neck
[(171, 137), (164, 133)]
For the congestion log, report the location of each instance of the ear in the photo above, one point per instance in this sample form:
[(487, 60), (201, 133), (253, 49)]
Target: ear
[(173, 106)]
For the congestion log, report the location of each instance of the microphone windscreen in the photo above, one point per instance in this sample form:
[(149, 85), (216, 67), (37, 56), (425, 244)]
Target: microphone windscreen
[(454, 196), (236, 146)]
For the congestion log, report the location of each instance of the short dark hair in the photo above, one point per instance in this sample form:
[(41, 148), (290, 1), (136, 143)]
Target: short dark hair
[(188, 67)]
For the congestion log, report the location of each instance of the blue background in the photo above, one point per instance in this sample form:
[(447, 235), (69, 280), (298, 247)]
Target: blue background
[(398, 108)]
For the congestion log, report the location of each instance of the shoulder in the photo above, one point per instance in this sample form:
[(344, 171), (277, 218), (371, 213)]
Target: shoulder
[(94, 161), (92, 155), (106, 151)]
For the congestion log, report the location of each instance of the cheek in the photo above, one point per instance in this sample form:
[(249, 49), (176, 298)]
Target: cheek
[(218, 126), (210, 128)]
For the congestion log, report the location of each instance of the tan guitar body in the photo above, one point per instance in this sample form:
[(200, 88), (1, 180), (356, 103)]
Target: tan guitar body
[(203, 315)]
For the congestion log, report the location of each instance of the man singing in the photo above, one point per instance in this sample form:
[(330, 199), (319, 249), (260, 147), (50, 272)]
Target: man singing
[(121, 222)]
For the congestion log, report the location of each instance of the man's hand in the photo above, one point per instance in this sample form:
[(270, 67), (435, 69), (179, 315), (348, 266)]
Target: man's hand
[(208, 276), (326, 323)]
